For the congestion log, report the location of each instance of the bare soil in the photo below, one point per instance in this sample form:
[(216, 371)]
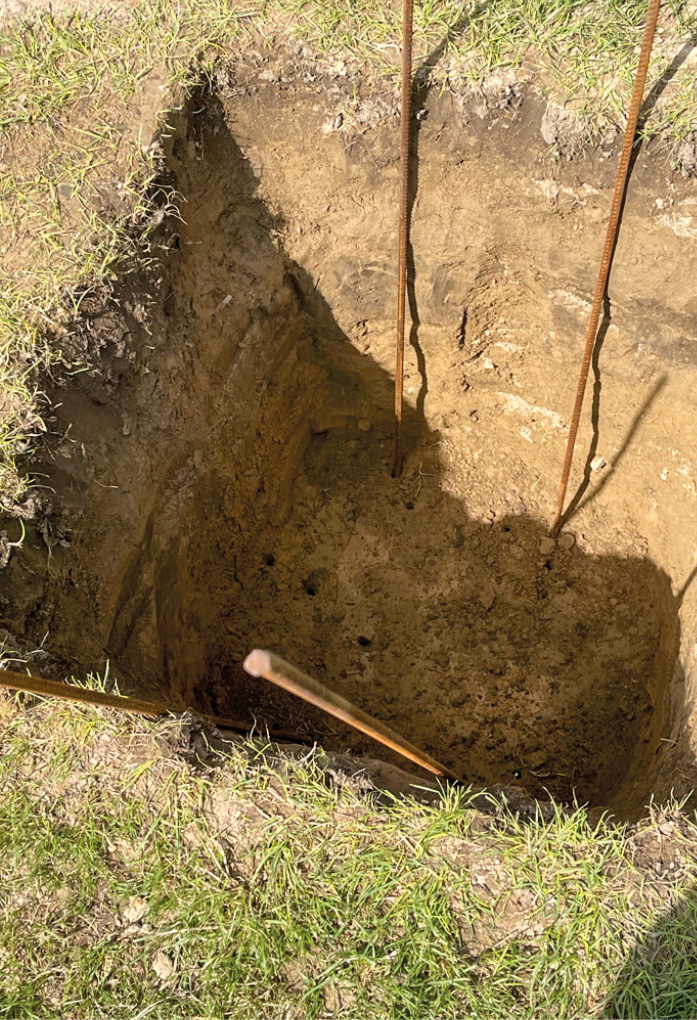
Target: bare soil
[(223, 471)]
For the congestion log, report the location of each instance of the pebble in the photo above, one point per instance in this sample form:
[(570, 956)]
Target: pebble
[(598, 463), (364, 425), (547, 546), (567, 541)]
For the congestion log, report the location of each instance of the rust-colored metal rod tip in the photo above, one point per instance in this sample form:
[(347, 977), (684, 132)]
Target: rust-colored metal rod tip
[(260, 663), (257, 663)]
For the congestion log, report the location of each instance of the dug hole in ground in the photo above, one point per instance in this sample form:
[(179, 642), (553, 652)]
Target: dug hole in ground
[(222, 472)]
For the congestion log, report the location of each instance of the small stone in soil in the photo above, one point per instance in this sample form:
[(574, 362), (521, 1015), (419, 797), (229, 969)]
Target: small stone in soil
[(547, 546), (567, 541)]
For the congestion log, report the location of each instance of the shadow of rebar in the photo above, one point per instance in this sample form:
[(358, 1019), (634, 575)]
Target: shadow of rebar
[(578, 502), (660, 86), (680, 597)]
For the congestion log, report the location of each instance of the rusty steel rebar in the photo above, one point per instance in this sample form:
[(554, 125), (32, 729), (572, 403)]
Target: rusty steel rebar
[(608, 251), (404, 154), (69, 692), (273, 668)]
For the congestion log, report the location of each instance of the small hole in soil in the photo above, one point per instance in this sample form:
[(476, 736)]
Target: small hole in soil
[(409, 505), (364, 642), (310, 588), (270, 560)]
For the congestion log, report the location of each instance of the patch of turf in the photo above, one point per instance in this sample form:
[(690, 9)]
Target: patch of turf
[(136, 880)]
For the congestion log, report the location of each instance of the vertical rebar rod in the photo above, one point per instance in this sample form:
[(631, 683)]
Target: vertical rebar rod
[(608, 251), (407, 31)]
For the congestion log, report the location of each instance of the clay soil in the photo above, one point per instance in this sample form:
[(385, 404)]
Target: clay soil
[(223, 473)]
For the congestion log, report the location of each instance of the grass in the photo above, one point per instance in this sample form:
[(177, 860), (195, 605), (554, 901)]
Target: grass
[(136, 881), (78, 175)]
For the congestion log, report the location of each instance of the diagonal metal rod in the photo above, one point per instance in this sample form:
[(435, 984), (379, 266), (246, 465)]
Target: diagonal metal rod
[(407, 31), (69, 692), (608, 251), (277, 671)]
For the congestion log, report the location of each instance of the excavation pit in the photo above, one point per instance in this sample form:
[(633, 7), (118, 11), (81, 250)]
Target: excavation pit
[(499, 661), (226, 482)]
